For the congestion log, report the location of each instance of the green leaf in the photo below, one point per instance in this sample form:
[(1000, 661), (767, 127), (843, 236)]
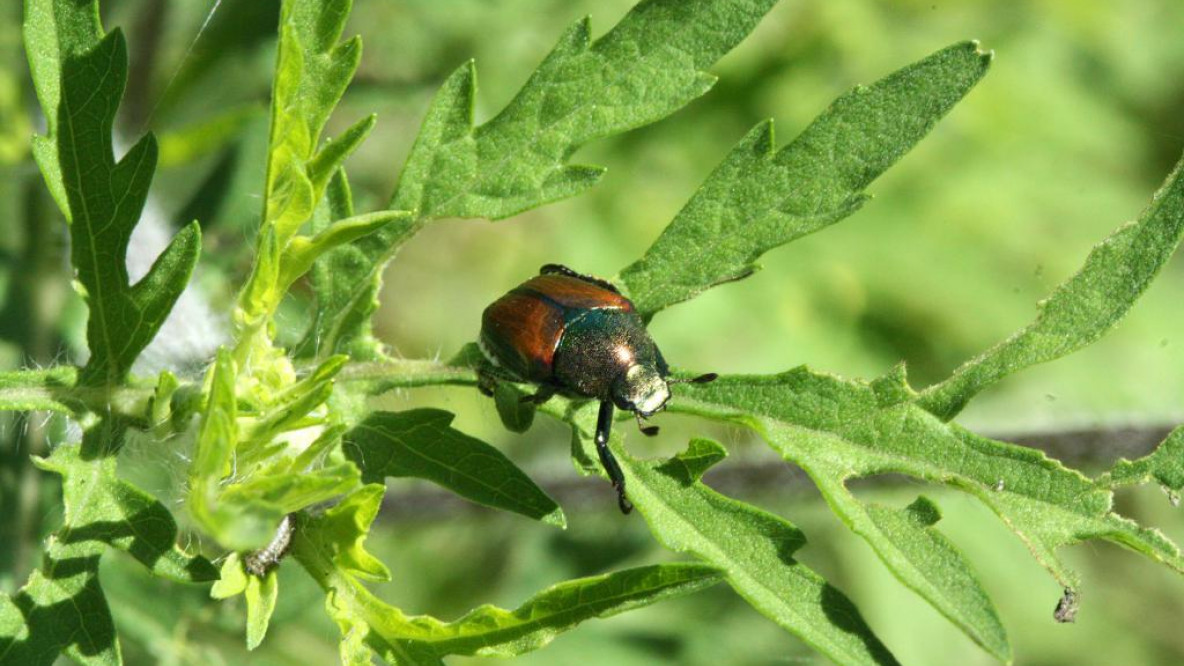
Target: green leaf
[(338, 276), (489, 631), (931, 564), (261, 594), (420, 443), (266, 483), (644, 69), (102, 508), (27, 390), (516, 415), (302, 252), (837, 430), (1164, 465), (53, 31), (232, 578), (80, 76), (1083, 308), (755, 549), (311, 74), (648, 66), (62, 608), (760, 198), (321, 545)]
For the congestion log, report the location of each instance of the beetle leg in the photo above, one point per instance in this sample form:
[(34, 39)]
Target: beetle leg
[(542, 395), (647, 430), (486, 384), (560, 269), (604, 424)]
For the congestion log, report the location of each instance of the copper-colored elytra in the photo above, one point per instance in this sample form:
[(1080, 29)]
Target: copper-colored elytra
[(572, 292)]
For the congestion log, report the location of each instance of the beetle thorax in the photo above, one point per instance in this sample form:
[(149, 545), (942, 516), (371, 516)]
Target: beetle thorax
[(598, 351)]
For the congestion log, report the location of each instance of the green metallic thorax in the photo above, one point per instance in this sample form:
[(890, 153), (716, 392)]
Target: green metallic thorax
[(598, 346)]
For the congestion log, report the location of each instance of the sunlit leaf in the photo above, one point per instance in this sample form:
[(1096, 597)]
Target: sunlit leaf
[(420, 443), (760, 198)]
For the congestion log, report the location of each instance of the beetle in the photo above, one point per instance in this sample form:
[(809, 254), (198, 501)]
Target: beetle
[(576, 335)]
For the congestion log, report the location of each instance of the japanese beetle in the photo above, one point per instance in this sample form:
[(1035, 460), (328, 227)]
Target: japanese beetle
[(576, 335)]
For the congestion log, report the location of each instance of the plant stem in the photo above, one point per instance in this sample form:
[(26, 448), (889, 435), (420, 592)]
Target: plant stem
[(408, 373)]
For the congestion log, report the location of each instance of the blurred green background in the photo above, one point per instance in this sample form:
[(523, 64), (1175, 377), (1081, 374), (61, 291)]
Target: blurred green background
[(1079, 120)]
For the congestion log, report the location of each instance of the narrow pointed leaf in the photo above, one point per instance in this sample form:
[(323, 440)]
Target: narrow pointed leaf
[(760, 198), (329, 158), (321, 543), (493, 632), (420, 443), (1083, 308)]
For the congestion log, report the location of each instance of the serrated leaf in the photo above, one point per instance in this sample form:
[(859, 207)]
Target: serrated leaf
[(648, 66), (754, 548), (759, 198), (312, 72), (1083, 308), (329, 158), (1164, 465), (101, 507), (645, 68), (62, 608), (80, 76), (836, 430), (321, 543), (420, 443), (53, 31)]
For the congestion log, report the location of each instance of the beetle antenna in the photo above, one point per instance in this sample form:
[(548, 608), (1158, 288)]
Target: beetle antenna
[(647, 430), (701, 379)]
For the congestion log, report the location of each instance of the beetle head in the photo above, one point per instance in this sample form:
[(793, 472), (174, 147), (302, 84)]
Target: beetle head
[(641, 389)]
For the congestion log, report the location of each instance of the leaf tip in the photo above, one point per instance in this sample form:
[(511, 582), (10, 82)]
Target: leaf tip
[(556, 518), (986, 56), (700, 455), (924, 512)]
